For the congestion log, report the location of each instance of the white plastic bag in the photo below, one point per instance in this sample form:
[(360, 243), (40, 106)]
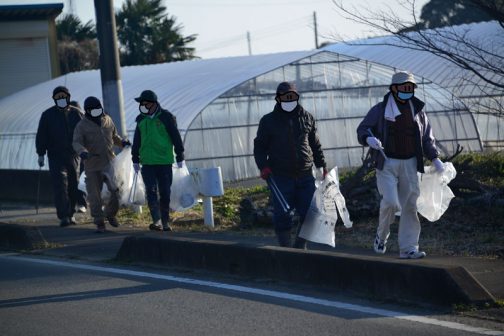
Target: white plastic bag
[(183, 190), (105, 194), (322, 215), (123, 174), (435, 195), (136, 194)]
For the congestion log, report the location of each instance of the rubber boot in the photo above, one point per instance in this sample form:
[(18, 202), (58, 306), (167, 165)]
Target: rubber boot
[(284, 238)]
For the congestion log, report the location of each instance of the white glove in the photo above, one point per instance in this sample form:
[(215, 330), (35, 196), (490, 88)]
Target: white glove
[(320, 173), (136, 167), (41, 160), (180, 164), (374, 143), (439, 165)]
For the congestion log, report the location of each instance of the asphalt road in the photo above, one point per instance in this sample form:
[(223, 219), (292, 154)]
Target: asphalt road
[(56, 297)]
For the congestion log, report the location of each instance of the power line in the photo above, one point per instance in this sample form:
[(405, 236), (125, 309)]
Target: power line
[(259, 34)]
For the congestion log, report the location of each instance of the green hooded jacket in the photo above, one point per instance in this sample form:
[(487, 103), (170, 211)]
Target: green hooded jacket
[(156, 137)]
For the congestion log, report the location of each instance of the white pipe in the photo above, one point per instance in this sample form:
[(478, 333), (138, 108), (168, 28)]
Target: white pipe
[(208, 211)]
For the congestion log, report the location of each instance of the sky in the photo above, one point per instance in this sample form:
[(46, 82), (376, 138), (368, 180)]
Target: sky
[(274, 25)]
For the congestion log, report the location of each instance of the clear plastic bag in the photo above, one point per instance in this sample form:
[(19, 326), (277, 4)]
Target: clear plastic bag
[(105, 194), (136, 195), (123, 174), (435, 195), (183, 190), (322, 215)]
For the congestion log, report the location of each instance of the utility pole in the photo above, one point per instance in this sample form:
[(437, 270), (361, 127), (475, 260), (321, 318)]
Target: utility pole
[(249, 43), (71, 9), (315, 29), (113, 101)]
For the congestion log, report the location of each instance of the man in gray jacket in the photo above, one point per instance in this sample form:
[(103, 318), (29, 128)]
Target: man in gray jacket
[(400, 135)]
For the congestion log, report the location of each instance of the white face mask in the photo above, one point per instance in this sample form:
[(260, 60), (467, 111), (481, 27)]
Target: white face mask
[(289, 106), (62, 103), (144, 109), (96, 112)]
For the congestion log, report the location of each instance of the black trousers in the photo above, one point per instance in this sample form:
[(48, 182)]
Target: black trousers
[(65, 179)]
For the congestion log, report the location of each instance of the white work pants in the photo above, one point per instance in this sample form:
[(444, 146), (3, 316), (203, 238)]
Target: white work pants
[(398, 185)]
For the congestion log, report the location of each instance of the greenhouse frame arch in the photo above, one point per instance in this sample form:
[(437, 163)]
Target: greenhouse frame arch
[(219, 102)]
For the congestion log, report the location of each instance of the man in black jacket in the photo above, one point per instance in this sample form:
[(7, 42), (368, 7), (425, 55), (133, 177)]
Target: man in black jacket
[(54, 137), (285, 149)]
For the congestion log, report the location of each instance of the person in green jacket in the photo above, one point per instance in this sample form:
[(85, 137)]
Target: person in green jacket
[(156, 137)]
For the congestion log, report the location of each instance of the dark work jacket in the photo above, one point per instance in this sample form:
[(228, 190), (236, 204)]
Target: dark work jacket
[(425, 143), (288, 143), (55, 132)]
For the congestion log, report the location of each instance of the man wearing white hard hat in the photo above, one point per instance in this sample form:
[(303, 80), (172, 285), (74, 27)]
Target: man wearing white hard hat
[(400, 136)]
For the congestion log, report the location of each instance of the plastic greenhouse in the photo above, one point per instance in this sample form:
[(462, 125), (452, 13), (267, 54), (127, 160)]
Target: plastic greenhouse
[(219, 102), (483, 100)]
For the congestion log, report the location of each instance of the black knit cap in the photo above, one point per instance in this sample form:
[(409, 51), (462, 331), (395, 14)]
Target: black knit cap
[(147, 95), (285, 87), (60, 89), (91, 103)]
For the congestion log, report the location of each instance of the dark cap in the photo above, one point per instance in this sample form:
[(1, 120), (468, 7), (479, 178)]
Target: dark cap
[(285, 87), (147, 95), (91, 103), (60, 89)]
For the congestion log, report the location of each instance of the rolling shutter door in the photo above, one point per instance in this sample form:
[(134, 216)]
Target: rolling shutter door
[(23, 63)]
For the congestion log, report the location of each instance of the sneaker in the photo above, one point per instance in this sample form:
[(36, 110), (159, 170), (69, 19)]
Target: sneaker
[(81, 209), (72, 221), (167, 228), (380, 246), (113, 221), (415, 254), (156, 226)]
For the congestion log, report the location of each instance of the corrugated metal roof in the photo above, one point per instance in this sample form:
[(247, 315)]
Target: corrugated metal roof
[(184, 88), (30, 12)]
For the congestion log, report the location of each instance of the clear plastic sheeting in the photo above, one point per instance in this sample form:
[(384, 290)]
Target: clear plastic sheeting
[(485, 101), (219, 103), (339, 91)]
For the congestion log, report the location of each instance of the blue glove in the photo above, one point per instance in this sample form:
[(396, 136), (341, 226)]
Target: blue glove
[(84, 155), (125, 143)]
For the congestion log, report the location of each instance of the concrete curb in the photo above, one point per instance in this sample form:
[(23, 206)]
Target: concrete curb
[(398, 280), (19, 237)]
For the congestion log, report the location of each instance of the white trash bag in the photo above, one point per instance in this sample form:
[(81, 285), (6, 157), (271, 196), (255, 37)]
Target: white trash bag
[(322, 215), (123, 174), (136, 194), (183, 189), (105, 194), (435, 195)]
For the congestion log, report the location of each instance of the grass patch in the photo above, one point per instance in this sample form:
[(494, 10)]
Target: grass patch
[(465, 230)]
